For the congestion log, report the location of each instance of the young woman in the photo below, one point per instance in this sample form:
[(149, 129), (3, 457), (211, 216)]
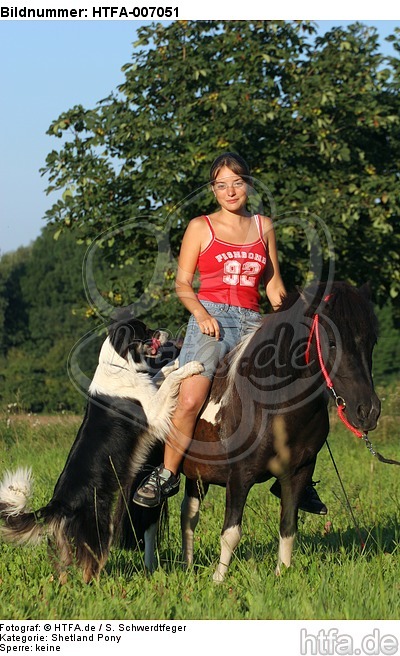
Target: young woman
[(233, 252)]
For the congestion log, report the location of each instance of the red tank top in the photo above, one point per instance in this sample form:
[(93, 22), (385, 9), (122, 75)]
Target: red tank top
[(230, 273)]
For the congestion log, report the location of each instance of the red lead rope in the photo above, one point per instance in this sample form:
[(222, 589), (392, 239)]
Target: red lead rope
[(340, 409), (341, 405)]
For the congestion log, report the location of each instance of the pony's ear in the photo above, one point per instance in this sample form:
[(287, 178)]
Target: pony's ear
[(303, 297), (310, 294), (366, 290)]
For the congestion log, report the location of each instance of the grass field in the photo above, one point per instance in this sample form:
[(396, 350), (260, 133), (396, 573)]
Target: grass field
[(332, 576)]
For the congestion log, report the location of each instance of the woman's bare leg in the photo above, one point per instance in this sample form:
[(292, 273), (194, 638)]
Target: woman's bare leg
[(163, 482), (192, 395)]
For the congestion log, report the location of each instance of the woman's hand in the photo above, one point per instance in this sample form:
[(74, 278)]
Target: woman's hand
[(208, 325)]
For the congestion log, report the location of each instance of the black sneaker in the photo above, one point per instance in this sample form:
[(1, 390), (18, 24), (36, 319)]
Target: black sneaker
[(309, 502), (156, 488)]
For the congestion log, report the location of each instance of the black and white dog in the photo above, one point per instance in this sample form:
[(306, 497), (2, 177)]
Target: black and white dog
[(126, 415)]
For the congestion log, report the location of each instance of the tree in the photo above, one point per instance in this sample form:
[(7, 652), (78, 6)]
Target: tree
[(316, 118), (45, 314), (13, 312), (387, 351), (52, 290)]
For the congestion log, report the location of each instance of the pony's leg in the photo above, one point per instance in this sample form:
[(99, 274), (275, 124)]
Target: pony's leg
[(150, 522), (150, 537), (291, 492), (236, 495), (195, 491), (287, 534)]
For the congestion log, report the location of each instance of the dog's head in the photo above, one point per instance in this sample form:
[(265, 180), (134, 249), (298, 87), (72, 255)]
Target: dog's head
[(131, 336)]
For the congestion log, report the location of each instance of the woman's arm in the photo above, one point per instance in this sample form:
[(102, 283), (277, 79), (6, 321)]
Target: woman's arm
[(274, 286), (193, 241)]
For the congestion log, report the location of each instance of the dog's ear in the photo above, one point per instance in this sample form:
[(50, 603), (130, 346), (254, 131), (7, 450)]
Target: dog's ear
[(121, 335), (120, 331), (127, 334)]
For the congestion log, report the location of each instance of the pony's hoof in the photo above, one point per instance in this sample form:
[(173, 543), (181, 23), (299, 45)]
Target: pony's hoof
[(218, 577), (280, 569), (187, 564), (63, 578), (150, 568)]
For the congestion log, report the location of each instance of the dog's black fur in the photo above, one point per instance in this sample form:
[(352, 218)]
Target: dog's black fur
[(125, 416)]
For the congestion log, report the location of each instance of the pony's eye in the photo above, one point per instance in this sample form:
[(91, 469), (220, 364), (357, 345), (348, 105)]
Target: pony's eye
[(332, 346)]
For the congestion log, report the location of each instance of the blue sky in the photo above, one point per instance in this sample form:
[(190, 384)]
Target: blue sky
[(47, 67)]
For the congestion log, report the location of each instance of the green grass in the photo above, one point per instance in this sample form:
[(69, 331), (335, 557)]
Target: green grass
[(331, 577)]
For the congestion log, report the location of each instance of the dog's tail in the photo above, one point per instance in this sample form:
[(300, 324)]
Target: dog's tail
[(20, 525)]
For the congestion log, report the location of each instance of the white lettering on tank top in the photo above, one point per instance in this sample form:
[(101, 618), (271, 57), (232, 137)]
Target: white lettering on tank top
[(240, 255)]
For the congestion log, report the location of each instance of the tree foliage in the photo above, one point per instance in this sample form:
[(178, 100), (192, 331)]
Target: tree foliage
[(316, 118), (387, 350), (45, 314), (13, 311)]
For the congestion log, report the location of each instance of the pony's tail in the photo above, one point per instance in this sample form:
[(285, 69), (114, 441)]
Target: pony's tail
[(20, 526)]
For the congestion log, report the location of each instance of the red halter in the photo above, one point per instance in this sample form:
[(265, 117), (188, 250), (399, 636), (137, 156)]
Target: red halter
[(339, 400)]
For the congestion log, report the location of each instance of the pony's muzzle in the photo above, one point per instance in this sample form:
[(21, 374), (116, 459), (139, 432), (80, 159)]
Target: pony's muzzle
[(368, 414)]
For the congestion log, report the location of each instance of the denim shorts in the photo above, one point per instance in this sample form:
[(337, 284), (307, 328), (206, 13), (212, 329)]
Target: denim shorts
[(234, 322)]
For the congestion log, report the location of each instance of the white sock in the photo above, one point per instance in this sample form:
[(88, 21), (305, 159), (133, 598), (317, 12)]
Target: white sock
[(164, 473)]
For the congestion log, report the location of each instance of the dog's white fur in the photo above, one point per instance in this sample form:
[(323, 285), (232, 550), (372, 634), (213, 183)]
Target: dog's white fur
[(15, 489)]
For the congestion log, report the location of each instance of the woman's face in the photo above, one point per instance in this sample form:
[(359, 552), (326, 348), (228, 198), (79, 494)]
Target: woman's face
[(230, 190)]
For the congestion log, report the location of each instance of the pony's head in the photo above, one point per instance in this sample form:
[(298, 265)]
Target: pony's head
[(341, 339)]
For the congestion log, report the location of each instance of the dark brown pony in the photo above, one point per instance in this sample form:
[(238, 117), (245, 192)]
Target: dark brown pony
[(267, 413)]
